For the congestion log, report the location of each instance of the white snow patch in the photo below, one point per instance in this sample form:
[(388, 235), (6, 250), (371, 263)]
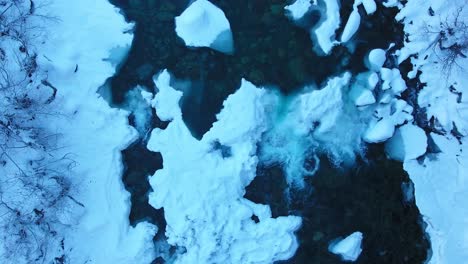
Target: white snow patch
[(348, 248), (203, 24)]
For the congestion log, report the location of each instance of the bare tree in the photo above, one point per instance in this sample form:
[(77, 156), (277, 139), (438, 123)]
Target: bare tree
[(451, 42)]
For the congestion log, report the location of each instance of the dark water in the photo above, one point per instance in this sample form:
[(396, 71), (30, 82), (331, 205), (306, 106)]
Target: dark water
[(270, 50), (337, 202)]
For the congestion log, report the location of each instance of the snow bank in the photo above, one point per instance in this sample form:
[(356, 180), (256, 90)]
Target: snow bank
[(409, 142), (74, 55), (325, 33), (203, 24), (441, 188), (203, 200), (440, 179), (348, 248)]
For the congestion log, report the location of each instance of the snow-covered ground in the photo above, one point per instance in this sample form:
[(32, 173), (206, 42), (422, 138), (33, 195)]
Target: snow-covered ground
[(440, 179), (94, 227)]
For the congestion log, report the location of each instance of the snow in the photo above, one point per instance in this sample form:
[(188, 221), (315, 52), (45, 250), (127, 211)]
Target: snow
[(441, 188), (298, 9), (380, 131), (325, 33), (392, 79), (376, 59), (348, 248), (369, 6), (92, 131), (409, 142), (362, 96), (203, 24), (203, 200), (351, 26), (440, 179), (439, 100), (372, 80)]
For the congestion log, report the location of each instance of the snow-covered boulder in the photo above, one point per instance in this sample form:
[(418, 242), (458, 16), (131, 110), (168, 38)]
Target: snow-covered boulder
[(369, 6), (392, 79), (380, 131), (409, 142), (372, 80), (361, 96), (376, 59), (298, 9), (203, 24), (348, 248), (351, 26)]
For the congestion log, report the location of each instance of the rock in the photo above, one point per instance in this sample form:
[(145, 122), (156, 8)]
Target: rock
[(351, 26), (349, 248), (380, 131), (376, 59), (409, 142), (203, 24)]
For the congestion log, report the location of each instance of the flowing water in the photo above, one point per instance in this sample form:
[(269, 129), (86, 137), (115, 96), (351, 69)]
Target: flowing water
[(271, 50)]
